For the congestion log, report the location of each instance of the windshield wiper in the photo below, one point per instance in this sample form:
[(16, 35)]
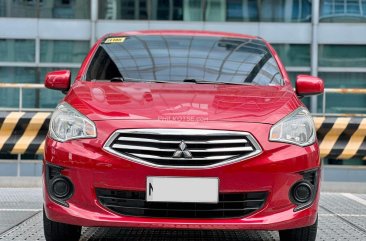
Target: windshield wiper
[(200, 81), (196, 81), (148, 80), (122, 79)]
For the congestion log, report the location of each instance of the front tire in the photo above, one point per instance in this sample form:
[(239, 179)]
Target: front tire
[(300, 234), (54, 231)]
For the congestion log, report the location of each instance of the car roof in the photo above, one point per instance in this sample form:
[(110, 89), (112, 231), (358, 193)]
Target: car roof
[(184, 33)]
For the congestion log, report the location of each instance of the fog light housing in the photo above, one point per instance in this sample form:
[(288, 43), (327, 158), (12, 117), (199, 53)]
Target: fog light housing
[(302, 192), (61, 188)]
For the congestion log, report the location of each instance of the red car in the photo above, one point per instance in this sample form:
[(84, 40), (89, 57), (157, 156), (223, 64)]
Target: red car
[(182, 130)]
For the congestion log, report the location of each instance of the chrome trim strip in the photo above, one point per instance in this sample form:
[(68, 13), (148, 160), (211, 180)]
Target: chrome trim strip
[(228, 149), (186, 132), (195, 159), (138, 147), (145, 148), (151, 140)]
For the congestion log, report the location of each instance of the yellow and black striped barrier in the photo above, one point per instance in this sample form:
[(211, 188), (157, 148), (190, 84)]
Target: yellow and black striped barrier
[(339, 137), (23, 132)]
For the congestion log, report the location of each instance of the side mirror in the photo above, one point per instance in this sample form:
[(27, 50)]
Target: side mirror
[(309, 85), (58, 80)]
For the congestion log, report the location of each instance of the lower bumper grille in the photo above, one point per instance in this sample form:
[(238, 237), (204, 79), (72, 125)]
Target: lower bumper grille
[(132, 203)]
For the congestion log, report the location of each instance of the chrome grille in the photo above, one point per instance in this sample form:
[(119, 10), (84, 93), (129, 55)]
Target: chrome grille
[(182, 147)]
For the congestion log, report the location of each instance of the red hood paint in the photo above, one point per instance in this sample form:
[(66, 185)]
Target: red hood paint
[(182, 102)]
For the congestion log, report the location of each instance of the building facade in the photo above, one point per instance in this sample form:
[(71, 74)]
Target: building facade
[(326, 38)]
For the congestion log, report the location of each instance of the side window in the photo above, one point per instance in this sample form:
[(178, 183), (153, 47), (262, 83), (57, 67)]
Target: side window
[(102, 67)]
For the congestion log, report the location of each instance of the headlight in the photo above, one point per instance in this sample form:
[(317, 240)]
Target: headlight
[(67, 124), (297, 128)]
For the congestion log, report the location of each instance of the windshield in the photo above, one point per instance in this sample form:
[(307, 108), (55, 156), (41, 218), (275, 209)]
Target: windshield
[(196, 59)]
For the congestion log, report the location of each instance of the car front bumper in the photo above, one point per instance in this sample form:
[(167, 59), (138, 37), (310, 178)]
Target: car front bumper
[(275, 171)]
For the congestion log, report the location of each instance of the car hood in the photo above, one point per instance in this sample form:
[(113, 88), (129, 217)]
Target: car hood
[(182, 102)]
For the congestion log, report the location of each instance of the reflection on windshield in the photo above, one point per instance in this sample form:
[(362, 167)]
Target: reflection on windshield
[(178, 58)]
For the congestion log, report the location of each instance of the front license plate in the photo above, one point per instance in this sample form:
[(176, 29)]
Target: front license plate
[(182, 189)]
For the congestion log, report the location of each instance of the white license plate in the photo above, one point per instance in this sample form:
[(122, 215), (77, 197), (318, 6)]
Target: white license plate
[(182, 189)]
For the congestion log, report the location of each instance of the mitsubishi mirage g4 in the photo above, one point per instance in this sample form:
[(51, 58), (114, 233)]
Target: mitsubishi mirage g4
[(181, 129)]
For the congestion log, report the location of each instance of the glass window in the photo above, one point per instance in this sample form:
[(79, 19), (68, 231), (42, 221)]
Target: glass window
[(185, 58), (18, 75), (10, 97), (344, 103), (124, 9), (342, 55), (208, 10), (188, 10), (215, 10), (63, 51), (17, 50), (75, 9), (343, 10), (293, 54), (343, 80), (238, 10), (50, 98), (268, 11), (18, 8), (193, 10), (167, 10)]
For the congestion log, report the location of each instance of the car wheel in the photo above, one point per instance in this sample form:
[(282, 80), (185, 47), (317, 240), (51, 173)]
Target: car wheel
[(54, 231), (300, 234)]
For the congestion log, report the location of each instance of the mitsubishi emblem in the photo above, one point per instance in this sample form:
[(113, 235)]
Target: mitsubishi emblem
[(183, 151)]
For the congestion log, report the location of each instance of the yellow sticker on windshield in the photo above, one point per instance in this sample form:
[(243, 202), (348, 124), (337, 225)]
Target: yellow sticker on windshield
[(114, 40)]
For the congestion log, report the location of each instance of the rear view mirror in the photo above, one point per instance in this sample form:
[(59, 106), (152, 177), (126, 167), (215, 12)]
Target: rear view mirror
[(58, 80), (309, 85)]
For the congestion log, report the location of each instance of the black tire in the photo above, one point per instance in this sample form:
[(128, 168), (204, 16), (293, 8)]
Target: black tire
[(54, 231), (300, 234)]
